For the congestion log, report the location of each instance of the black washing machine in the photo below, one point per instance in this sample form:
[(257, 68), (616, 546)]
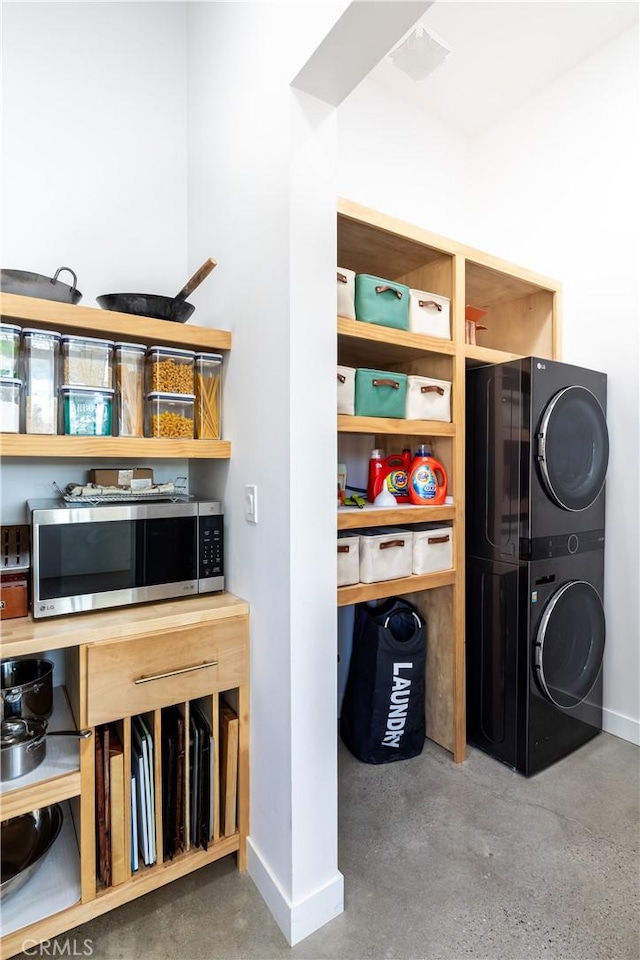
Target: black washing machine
[(537, 454), (536, 458)]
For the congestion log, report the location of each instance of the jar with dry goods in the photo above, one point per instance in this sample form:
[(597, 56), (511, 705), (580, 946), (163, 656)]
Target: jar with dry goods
[(169, 415), (129, 379), (169, 370), (208, 391), (9, 349), (86, 411), (87, 362), (40, 353), (10, 388)]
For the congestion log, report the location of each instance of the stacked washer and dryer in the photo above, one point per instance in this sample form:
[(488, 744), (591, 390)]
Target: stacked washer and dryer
[(536, 460)]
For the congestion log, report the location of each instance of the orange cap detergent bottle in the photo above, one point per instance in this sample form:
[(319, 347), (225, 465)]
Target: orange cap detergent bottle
[(427, 479)]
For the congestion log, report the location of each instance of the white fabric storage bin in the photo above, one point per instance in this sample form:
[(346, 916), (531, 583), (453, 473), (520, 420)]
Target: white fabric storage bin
[(346, 390), (429, 313), (386, 553), (346, 293), (428, 399), (348, 559), (432, 548)]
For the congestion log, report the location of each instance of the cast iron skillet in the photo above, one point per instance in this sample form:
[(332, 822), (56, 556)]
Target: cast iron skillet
[(28, 284), (160, 308)]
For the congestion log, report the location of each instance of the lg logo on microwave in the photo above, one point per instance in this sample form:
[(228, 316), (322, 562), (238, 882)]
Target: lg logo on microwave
[(541, 366), (46, 606)]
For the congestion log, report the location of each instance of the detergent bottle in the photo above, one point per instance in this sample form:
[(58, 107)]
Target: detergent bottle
[(391, 472), (427, 478)]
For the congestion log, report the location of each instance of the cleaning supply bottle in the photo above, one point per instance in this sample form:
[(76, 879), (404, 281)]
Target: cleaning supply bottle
[(427, 478), (376, 471)]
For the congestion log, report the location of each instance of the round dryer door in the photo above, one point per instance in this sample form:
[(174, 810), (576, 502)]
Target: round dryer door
[(573, 448), (570, 644)]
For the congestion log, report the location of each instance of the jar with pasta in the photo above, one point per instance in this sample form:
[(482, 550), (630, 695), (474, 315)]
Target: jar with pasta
[(169, 370), (208, 391), (129, 377), (169, 415), (87, 362)]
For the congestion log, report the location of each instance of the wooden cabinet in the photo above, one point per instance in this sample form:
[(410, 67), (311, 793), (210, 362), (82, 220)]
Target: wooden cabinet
[(522, 316), (118, 664)]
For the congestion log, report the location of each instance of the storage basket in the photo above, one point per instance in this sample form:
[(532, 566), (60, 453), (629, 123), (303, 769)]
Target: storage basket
[(432, 548), (428, 399), (348, 559), (382, 301), (429, 313), (346, 293), (385, 554), (380, 393), (346, 390)]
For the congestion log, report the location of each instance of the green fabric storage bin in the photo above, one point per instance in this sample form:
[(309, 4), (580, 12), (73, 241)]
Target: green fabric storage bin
[(380, 393), (382, 301)]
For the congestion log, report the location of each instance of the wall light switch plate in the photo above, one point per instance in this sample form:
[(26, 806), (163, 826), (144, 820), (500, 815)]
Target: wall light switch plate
[(251, 503)]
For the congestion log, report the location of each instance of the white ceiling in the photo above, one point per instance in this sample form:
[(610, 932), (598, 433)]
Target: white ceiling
[(504, 53)]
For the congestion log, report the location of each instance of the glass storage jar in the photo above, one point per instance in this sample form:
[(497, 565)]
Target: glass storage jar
[(169, 370), (10, 388), (9, 349), (208, 391), (129, 381), (87, 362), (40, 352), (169, 415), (86, 411)]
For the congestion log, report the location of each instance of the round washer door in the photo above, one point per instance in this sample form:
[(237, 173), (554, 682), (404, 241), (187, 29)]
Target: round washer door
[(573, 448), (570, 644)]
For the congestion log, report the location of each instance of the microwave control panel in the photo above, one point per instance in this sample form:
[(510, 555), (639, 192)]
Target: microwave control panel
[(210, 553)]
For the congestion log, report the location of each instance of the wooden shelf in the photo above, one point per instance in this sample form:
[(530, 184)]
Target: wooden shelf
[(32, 445), (418, 428), (58, 776), (361, 343), (476, 355), (360, 592), (352, 518), (64, 317)]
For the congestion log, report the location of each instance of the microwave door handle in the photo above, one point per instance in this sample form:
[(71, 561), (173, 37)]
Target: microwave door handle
[(175, 673)]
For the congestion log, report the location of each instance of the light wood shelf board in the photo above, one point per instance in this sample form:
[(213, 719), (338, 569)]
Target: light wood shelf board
[(92, 321), (31, 445), (477, 355), (352, 518), (360, 592), (361, 343), (388, 425), (25, 635)]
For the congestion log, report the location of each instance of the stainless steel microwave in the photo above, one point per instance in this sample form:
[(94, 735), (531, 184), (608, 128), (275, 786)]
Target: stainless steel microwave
[(93, 557)]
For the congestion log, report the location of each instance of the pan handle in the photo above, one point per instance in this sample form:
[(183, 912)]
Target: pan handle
[(69, 270), (196, 279)]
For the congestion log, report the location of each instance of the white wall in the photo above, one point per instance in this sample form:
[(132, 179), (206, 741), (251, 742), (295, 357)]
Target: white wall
[(94, 165), (554, 188)]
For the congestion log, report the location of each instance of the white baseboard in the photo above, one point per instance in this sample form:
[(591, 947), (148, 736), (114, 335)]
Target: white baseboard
[(296, 920), (621, 726)]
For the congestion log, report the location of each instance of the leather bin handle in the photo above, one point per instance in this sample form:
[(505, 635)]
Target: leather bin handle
[(391, 543), (430, 303), (386, 383), (384, 287), (342, 378), (343, 548), (342, 278), (438, 539), (433, 389)]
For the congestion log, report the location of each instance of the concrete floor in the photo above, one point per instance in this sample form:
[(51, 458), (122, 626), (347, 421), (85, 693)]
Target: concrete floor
[(440, 861)]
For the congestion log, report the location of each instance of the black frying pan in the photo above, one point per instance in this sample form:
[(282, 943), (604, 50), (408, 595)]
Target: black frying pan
[(28, 284), (160, 308)]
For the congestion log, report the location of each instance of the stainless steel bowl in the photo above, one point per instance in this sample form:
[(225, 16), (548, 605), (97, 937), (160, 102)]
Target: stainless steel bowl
[(26, 841)]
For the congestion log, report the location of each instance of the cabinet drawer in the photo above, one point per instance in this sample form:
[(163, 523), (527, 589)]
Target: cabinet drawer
[(134, 676)]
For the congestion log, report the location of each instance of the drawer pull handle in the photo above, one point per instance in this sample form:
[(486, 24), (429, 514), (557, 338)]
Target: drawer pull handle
[(175, 673)]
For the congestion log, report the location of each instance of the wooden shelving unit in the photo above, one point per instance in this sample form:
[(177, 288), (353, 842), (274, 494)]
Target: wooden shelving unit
[(65, 892), (522, 318)]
